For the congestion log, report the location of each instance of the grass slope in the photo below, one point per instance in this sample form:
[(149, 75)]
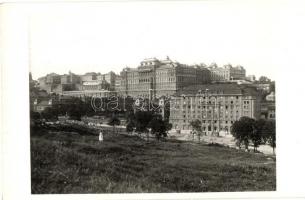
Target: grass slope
[(68, 162)]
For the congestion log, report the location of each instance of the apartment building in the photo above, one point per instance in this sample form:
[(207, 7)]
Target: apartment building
[(217, 106)]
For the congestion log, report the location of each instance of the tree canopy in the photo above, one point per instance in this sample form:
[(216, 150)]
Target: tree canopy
[(269, 135), (130, 126), (264, 79), (260, 131), (114, 121), (196, 124), (142, 119), (242, 129), (159, 127)]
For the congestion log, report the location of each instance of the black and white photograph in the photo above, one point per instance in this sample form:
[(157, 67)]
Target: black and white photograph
[(146, 97)]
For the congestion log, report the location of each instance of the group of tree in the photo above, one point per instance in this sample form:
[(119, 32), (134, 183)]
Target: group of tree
[(159, 127), (148, 122), (114, 121), (75, 107), (196, 125), (247, 130), (264, 79)]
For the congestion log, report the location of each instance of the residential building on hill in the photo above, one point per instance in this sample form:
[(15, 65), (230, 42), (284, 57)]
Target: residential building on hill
[(55, 83), (89, 83), (268, 107)]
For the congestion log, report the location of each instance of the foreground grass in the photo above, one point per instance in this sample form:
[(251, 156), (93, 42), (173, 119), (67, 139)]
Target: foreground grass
[(69, 162)]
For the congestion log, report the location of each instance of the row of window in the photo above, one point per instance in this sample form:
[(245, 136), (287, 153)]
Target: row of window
[(208, 107), (209, 97), (208, 128), (145, 80), (166, 73), (163, 79), (210, 116), (207, 111), (211, 122)]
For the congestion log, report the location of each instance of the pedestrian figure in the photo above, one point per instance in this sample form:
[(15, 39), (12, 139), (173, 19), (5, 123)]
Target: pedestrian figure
[(101, 137)]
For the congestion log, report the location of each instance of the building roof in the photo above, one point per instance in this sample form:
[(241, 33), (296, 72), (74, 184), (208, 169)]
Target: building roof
[(150, 59), (212, 65), (91, 73), (218, 89), (52, 74)]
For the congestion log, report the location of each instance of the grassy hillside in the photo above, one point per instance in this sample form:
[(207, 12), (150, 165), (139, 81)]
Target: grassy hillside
[(69, 162)]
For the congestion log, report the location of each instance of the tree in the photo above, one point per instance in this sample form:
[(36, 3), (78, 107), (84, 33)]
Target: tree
[(114, 121), (128, 104), (50, 113), (159, 127), (242, 129), (272, 87), (130, 116), (168, 125), (130, 126), (142, 119), (34, 115), (256, 135), (74, 112), (75, 108), (264, 79), (196, 124), (269, 133)]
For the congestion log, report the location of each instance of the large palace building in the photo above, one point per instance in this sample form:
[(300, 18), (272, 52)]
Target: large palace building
[(217, 106), (155, 78), (226, 73)]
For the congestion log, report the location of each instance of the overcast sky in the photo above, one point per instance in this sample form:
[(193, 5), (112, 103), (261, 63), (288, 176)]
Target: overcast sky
[(104, 36)]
